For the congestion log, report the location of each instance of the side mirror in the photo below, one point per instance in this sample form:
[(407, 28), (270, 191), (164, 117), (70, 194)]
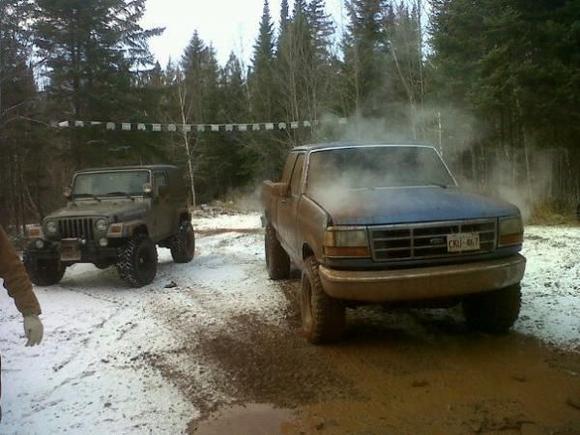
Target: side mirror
[(163, 190), (147, 190), (282, 189), (67, 193)]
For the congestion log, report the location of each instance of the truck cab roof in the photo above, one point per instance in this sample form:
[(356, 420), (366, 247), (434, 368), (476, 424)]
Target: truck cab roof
[(319, 146)]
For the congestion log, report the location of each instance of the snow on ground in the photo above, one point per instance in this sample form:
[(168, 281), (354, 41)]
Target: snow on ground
[(551, 286), (92, 373), (88, 375), (236, 221)]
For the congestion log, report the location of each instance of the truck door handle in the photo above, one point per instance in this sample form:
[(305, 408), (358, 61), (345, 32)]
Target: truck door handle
[(284, 201)]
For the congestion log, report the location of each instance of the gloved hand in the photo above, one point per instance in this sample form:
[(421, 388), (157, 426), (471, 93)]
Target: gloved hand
[(33, 329)]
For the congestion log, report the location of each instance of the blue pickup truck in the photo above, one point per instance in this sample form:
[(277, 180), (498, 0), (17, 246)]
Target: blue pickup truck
[(388, 224)]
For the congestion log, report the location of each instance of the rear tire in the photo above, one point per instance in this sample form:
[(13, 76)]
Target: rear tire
[(43, 272), (494, 312), (277, 260), (183, 246), (137, 264), (323, 317)]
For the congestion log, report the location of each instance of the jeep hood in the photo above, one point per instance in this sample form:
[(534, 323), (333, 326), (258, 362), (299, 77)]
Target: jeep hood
[(410, 205), (120, 210)]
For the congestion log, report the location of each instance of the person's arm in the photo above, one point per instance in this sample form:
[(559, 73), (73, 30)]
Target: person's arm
[(19, 287)]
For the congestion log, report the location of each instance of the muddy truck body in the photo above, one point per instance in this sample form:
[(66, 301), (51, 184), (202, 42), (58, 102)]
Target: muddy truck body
[(114, 217), (388, 224)]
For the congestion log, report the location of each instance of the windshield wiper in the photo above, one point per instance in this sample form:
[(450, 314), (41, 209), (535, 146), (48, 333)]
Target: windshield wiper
[(443, 186), (118, 194), (86, 195)]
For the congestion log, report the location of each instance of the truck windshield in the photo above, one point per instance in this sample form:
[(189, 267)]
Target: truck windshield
[(110, 184), (376, 168)]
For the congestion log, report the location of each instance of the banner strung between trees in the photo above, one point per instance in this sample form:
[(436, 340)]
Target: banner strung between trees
[(201, 128)]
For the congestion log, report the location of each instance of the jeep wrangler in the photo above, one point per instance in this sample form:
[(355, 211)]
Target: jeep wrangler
[(114, 216)]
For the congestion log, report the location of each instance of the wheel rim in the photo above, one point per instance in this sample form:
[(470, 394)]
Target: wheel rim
[(306, 305)]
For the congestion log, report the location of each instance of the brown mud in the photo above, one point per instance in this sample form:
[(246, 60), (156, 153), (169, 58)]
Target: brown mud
[(395, 371), (406, 371)]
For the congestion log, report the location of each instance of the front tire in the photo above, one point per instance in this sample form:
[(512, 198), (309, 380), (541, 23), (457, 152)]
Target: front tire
[(277, 260), (137, 264), (183, 246), (323, 317), (43, 272), (494, 312)]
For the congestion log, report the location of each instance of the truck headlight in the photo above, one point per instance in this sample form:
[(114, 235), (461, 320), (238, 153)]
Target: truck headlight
[(511, 231), (102, 225), (51, 228), (346, 242)]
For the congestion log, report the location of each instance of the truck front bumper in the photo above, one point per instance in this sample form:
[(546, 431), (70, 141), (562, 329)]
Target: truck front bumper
[(423, 283)]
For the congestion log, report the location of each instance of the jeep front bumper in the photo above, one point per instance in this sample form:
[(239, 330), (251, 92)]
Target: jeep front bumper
[(423, 283)]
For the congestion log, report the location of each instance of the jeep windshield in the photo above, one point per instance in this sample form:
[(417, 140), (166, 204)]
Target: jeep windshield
[(376, 167), (113, 184)]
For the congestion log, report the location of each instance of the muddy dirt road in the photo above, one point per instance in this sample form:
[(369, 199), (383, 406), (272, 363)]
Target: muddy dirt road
[(215, 347)]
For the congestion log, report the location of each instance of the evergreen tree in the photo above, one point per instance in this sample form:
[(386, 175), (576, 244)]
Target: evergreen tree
[(92, 49), (261, 79), (284, 16), (321, 27), (95, 53)]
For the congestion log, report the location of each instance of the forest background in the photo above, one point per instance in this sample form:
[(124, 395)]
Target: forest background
[(494, 84)]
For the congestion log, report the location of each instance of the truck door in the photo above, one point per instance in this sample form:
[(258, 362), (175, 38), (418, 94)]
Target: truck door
[(288, 206)]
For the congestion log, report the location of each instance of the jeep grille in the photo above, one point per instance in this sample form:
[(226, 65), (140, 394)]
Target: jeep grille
[(420, 241), (79, 228)]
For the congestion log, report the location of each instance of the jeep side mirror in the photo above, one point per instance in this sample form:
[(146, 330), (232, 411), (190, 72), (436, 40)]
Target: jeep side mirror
[(147, 190), (67, 193), (163, 190)]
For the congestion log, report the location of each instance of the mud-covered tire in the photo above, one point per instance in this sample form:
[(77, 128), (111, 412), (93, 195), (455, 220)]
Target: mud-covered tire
[(277, 260), (43, 272), (494, 312), (323, 317), (137, 262), (183, 246)]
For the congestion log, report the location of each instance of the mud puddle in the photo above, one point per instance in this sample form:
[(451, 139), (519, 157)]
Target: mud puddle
[(248, 419)]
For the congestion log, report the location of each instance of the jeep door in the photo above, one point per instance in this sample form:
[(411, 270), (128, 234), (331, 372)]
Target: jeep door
[(163, 213)]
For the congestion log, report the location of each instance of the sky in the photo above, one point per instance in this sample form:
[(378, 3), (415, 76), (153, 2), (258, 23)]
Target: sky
[(230, 25)]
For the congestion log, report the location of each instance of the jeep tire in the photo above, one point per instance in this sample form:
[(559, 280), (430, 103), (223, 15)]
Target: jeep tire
[(183, 245), (323, 317), (137, 263), (494, 312), (43, 272), (277, 260)]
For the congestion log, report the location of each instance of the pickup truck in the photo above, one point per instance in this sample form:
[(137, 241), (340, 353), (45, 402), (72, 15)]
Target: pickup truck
[(388, 224)]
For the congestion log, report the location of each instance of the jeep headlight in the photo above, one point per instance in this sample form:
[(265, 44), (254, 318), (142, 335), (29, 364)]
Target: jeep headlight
[(511, 231), (346, 242), (51, 228), (102, 225)]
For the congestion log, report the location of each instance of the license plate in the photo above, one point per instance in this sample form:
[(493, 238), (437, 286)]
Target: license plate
[(463, 242), (70, 250)]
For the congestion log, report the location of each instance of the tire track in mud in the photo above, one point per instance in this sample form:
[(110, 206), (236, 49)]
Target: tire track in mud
[(244, 354), (402, 371)]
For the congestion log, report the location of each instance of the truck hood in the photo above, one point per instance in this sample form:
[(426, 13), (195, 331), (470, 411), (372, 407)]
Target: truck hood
[(119, 210), (411, 205)]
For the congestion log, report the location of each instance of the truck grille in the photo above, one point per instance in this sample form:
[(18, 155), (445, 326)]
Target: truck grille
[(410, 242), (81, 228)]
